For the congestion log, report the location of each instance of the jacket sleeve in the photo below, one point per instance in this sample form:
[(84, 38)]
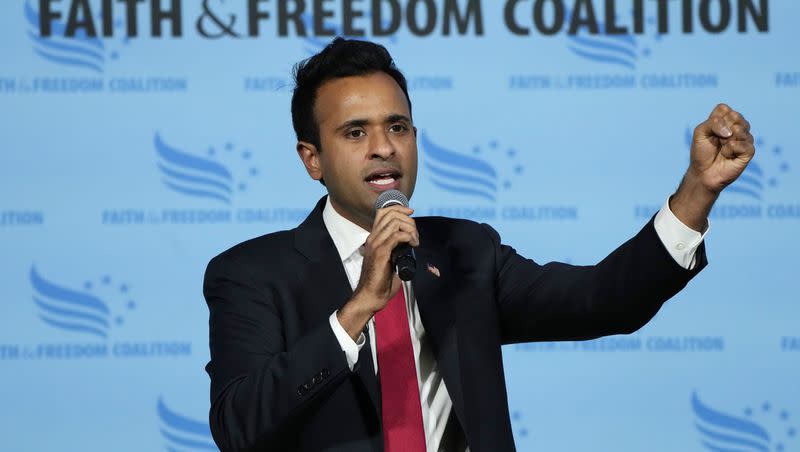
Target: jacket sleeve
[(260, 387), (557, 301)]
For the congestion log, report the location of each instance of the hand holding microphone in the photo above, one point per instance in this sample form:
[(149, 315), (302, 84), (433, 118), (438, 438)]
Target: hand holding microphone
[(388, 247)]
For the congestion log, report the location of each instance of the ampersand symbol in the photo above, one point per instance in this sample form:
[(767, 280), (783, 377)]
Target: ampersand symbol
[(222, 28)]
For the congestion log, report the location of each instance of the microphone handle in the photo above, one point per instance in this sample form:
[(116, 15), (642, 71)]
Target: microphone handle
[(404, 261)]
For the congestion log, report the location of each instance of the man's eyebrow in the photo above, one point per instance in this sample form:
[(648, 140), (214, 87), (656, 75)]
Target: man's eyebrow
[(358, 122), (397, 118), (352, 123)]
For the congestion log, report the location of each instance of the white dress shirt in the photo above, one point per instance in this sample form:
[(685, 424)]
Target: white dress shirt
[(680, 240)]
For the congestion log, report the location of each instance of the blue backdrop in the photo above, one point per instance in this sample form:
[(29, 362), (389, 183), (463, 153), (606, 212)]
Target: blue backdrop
[(132, 155)]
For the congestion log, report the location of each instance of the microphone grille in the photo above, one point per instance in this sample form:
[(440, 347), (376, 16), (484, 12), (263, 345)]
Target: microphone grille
[(389, 197)]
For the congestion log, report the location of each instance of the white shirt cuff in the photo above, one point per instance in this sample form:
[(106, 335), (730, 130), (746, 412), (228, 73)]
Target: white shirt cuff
[(349, 347), (680, 240)]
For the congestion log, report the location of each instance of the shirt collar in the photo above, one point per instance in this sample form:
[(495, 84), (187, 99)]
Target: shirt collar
[(347, 236)]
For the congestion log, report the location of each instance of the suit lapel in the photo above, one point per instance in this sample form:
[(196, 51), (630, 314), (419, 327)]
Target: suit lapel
[(433, 289), (331, 286)]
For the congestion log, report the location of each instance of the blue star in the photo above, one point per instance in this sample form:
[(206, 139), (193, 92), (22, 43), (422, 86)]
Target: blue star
[(759, 141), (254, 171), (748, 411), (131, 304), (791, 432), (773, 182), (493, 144), (777, 150), (211, 151), (246, 155), (119, 320), (524, 432), (511, 152), (106, 279), (476, 150), (87, 285), (779, 447), (516, 416), (123, 288), (507, 184), (784, 167), (228, 146), (114, 55), (518, 169), (646, 52), (766, 406), (242, 186)]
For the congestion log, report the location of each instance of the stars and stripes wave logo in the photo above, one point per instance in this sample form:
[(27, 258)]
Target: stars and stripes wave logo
[(205, 177), (622, 50), (475, 175), (81, 51), (82, 311), (763, 428)]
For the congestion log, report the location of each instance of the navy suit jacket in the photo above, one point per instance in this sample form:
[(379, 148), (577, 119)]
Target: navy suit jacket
[(280, 380)]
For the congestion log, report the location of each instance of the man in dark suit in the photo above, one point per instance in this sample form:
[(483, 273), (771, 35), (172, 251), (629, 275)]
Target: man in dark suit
[(315, 342)]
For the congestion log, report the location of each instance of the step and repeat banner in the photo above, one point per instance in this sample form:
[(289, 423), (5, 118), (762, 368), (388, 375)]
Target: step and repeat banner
[(143, 137)]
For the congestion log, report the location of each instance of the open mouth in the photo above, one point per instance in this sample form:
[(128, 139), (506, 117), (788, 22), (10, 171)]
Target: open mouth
[(384, 179)]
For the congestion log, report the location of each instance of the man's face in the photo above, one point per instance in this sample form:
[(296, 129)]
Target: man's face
[(368, 143)]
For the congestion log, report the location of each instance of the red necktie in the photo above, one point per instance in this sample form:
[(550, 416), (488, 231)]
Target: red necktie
[(400, 405)]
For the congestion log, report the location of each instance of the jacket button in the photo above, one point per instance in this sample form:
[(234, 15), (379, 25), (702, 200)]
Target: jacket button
[(325, 373), (300, 391), (316, 380)]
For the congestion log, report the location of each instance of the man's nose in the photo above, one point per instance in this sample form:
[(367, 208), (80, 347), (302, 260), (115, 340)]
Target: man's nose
[(381, 147)]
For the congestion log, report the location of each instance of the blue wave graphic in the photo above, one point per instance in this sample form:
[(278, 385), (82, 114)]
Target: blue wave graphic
[(68, 309), (191, 175), (182, 433), (78, 51), (459, 173), (723, 433), (620, 50)]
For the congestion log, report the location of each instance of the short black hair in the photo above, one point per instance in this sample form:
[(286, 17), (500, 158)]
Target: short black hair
[(341, 58)]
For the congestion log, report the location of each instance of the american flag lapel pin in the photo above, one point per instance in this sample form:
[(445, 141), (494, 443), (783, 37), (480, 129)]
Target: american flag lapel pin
[(434, 270)]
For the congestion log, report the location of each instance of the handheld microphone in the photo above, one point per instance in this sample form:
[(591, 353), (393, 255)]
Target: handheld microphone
[(403, 258)]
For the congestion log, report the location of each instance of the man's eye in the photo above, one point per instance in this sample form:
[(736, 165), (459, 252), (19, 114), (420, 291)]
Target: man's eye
[(358, 133), (398, 128)]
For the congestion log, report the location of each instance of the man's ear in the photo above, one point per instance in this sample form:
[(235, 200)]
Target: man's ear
[(309, 154)]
